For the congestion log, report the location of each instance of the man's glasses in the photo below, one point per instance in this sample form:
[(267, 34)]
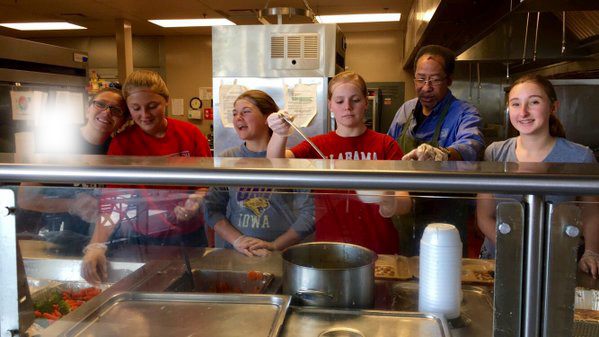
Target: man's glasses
[(114, 110), (434, 82)]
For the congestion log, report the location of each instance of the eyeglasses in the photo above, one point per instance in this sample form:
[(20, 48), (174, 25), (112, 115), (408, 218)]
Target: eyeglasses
[(434, 82), (114, 110)]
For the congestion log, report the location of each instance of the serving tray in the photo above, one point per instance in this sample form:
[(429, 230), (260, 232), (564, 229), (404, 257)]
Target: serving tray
[(223, 281), (392, 267), (184, 314), (312, 321)]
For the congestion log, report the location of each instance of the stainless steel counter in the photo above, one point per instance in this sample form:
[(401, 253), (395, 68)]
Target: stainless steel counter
[(155, 275)]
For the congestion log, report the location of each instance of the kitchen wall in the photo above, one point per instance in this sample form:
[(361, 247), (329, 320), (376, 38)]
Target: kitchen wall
[(188, 66), (378, 57), (186, 61)]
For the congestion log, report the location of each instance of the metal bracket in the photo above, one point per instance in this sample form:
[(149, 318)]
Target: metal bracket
[(560, 269), (509, 270)]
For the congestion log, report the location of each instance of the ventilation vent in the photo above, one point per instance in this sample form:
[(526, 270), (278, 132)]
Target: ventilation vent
[(277, 47), (295, 51), (311, 46), (294, 47)]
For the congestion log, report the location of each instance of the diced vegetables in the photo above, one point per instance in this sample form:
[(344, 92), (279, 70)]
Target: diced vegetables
[(60, 303)]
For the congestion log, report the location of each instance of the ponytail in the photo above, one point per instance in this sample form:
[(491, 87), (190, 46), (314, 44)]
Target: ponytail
[(556, 129)]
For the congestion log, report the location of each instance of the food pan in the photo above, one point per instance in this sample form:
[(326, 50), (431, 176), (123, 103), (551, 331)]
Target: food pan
[(223, 281), (586, 313), (184, 314), (324, 322), (392, 267)]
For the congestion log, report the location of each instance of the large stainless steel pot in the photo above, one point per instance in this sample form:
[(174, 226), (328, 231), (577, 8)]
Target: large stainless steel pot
[(329, 274)]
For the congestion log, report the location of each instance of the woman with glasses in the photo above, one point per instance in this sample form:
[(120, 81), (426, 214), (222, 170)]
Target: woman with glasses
[(106, 113), (63, 214), (152, 134)]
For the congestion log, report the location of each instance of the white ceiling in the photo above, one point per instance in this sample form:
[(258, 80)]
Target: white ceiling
[(99, 16)]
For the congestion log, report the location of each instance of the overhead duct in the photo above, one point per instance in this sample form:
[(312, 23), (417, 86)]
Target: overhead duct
[(513, 42), (493, 31)]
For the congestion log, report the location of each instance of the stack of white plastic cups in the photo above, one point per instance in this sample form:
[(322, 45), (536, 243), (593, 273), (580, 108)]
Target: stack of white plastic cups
[(440, 270)]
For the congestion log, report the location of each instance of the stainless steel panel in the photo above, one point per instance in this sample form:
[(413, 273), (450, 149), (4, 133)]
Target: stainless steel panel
[(540, 178), (355, 323), (9, 296), (30, 51), (533, 266), (178, 314), (226, 137), (244, 51), (578, 110), (560, 270), (419, 18), (489, 99), (24, 76), (509, 271)]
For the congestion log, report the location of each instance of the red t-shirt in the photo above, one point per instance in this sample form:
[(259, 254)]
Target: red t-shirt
[(182, 139), (342, 217)]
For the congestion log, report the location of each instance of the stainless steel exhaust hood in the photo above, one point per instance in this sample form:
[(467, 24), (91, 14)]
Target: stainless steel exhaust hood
[(512, 41), (495, 31)]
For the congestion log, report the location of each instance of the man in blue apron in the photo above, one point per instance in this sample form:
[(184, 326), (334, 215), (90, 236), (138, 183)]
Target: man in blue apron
[(437, 126)]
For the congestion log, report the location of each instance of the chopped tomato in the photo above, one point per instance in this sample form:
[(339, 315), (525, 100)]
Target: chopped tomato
[(50, 316), (254, 275)]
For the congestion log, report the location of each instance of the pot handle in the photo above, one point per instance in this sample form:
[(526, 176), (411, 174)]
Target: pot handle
[(312, 296)]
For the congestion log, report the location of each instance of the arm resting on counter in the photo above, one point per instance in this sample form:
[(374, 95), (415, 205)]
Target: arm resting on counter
[(289, 238), (240, 242), (485, 215), (30, 198), (81, 204)]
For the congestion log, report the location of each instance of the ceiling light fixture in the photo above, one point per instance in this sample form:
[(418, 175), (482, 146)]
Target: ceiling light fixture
[(359, 18), (41, 25), (192, 23)]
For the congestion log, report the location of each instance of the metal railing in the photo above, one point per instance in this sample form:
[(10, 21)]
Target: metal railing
[(532, 180)]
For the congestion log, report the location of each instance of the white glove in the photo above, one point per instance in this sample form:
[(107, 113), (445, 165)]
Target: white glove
[(278, 125), (94, 267), (427, 152), (589, 263), (388, 205), (190, 208), (369, 196), (86, 207), (385, 200)]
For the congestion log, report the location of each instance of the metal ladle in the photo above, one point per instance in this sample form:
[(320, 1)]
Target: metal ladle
[(188, 270), (302, 134)]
